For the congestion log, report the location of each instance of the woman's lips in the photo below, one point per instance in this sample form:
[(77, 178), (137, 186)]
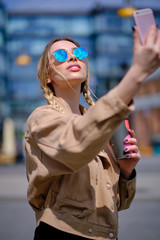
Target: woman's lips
[(74, 67)]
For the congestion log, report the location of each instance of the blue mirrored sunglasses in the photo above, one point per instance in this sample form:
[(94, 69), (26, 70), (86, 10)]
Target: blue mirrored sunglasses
[(61, 55)]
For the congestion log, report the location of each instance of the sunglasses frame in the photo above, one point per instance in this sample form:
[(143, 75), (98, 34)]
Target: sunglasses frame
[(70, 51)]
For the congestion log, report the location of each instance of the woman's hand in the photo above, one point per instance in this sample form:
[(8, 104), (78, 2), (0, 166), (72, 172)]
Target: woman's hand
[(147, 57), (128, 164)]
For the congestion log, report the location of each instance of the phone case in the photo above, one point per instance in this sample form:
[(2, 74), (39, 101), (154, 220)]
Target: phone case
[(117, 140), (144, 19)]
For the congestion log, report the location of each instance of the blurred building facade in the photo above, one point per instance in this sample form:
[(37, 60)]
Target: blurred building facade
[(106, 36), (146, 118), (3, 64)]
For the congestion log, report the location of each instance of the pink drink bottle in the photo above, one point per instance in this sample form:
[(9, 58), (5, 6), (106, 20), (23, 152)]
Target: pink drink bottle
[(126, 121)]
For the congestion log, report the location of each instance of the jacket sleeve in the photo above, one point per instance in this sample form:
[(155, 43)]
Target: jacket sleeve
[(127, 190), (73, 140)]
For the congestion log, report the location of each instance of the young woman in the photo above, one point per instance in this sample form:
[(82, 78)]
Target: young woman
[(76, 186)]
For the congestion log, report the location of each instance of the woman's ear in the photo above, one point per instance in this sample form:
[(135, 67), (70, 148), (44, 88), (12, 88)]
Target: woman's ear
[(48, 79)]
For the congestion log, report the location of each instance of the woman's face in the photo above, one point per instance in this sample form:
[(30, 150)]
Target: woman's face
[(73, 69)]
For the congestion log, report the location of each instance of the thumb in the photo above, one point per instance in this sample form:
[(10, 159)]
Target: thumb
[(136, 37)]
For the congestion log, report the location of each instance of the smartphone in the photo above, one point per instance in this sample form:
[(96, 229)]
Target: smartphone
[(144, 19)]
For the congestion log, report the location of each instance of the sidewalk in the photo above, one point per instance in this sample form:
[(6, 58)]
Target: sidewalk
[(148, 179), (13, 182)]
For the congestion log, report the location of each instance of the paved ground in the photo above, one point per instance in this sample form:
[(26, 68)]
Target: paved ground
[(141, 221)]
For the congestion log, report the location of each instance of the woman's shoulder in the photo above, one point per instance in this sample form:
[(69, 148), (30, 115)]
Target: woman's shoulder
[(40, 112), (42, 109)]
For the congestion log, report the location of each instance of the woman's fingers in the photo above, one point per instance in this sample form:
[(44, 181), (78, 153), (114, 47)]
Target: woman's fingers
[(132, 133), (136, 37), (136, 156), (132, 143), (131, 140), (157, 43), (151, 36), (131, 148)]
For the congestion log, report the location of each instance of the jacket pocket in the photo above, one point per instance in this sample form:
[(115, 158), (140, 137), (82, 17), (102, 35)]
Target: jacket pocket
[(76, 195)]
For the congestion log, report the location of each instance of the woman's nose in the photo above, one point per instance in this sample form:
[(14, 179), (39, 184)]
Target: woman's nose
[(71, 57)]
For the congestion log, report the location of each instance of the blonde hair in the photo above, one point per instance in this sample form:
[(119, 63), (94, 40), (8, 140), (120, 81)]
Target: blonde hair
[(42, 74)]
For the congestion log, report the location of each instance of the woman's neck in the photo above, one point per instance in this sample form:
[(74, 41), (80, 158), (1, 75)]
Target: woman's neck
[(70, 98)]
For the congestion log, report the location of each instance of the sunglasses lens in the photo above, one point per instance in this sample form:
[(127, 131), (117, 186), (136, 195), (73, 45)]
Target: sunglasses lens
[(60, 55), (80, 53)]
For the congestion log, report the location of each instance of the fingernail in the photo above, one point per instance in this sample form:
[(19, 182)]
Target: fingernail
[(126, 140), (127, 156), (133, 29), (125, 149)]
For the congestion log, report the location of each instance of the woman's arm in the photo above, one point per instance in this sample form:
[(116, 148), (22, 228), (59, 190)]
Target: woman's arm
[(74, 140), (146, 59)]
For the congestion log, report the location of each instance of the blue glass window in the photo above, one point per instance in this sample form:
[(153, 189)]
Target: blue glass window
[(114, 42), (2, 63), (110, 65), (2, 18), (1, 39)]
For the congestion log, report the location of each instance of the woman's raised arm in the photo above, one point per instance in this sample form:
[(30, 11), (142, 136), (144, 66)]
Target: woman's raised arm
[(146, 59)]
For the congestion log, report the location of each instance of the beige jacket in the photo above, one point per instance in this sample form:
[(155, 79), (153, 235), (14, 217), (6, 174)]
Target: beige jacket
[(74, 185)]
